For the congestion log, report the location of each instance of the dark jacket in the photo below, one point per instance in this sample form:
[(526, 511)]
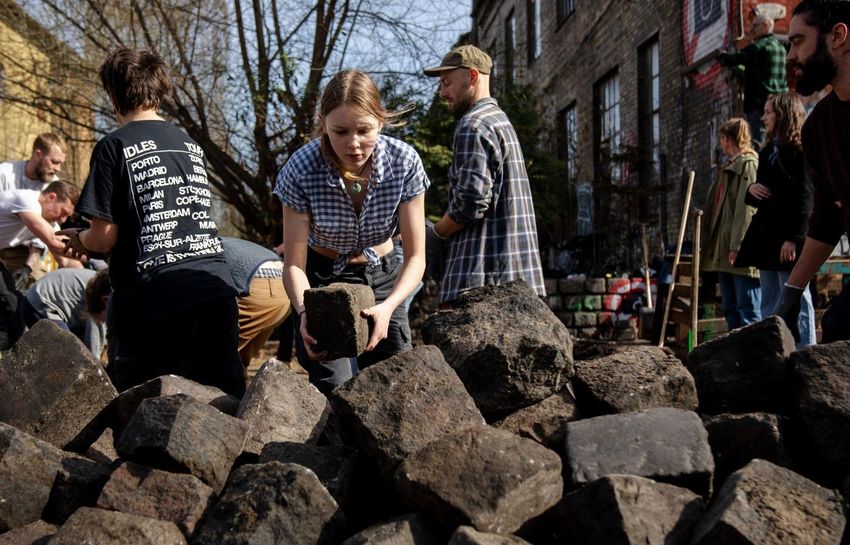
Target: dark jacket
[(784, 216)]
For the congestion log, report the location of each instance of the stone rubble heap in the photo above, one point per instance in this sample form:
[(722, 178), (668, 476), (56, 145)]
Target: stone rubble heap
[(490, 434)]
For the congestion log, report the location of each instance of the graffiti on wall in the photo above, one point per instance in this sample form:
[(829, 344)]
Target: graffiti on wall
[(705, 29)]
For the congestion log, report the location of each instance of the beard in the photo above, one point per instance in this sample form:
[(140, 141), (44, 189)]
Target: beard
[(817, 71), (42, 174), (461, 106)]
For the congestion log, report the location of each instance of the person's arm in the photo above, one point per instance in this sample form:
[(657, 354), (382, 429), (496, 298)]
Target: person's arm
[(100, 238), (472, 182), (42, 229), (743, 212), (296, 227), (411, 223)]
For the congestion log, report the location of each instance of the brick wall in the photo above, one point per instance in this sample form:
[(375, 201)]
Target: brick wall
[(603, 36)]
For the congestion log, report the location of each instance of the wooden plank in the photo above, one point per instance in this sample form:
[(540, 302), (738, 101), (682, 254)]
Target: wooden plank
[(835, 266)]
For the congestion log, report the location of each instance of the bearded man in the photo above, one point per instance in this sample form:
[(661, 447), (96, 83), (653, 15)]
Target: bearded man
[(820, 55)]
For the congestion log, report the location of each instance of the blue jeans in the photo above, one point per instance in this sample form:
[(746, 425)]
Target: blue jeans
[(326, 375), (741, 299), (771, 285)]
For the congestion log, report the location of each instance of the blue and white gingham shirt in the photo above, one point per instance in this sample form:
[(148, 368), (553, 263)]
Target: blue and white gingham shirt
[(489, 193), (309, 185)]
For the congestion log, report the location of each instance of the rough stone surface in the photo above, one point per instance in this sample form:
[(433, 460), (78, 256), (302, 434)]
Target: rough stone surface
[(745, 370), (333, 465), (78, 484), (147, 492), (333, 318), (27, 469), (272, 503), (626, 509), (595, 285), (543, 422), (51, 385), (88, 525), (466, 535), (572, 284), (665, 444), (34, 533), (177, 433), (394, 408), (507, 347), (407, 530), (281, 406), (766, 503), (103, 450), (484, 476), (737, 439), (634, 380), (119, 411), (823, 379)]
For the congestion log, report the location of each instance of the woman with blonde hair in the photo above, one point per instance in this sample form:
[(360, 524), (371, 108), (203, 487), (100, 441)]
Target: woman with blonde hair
[(783, 196), (344, 195), (726, 223)]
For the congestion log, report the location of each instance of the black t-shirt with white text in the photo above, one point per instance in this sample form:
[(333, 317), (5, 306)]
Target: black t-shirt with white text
[(149, 178)]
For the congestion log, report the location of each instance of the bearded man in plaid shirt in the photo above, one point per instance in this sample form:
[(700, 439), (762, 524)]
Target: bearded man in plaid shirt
[(763, 62), (488, 234)]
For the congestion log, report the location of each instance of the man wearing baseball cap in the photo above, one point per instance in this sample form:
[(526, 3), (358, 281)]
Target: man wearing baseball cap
[(488, 234)]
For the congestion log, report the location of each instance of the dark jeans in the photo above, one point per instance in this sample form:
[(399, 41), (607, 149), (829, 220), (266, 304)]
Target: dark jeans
[(198, 342), (11, 324), (835, 325), (326, 375)]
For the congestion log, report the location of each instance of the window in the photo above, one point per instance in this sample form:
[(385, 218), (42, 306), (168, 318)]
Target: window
[(510, 47), (649, 112), (565, 8), (570, 141), (535, 39), (607, 125)]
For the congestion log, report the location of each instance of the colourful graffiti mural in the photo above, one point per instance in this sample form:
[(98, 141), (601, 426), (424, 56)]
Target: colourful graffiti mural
[(705, 31)]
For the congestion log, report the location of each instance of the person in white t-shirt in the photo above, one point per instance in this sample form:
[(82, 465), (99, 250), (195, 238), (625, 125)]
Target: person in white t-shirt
[(26, 214), (43, 167)]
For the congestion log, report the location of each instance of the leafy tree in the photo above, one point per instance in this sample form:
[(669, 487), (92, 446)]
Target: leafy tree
[(247, 73)]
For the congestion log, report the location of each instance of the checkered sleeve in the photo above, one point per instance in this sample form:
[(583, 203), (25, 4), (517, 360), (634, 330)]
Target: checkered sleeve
[(470, 176), (289, 190), (415, 181)]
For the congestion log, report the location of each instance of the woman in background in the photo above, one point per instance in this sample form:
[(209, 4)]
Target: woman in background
[(783, 196), (727, 220)]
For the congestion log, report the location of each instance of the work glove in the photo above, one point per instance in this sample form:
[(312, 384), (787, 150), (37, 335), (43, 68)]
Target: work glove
[(435, 253), (788, 308), (22, 276)]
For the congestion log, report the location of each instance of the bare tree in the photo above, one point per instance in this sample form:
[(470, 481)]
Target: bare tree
[(247, 73)]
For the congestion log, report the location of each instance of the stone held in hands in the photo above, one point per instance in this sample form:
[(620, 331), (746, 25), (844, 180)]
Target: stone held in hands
[(334, 320)]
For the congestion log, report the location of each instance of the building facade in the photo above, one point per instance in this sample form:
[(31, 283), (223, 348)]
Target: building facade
[(28, 76), (633, 94)]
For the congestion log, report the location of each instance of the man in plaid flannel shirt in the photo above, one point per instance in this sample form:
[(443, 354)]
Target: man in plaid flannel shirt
[(488, 232), (764, 71)]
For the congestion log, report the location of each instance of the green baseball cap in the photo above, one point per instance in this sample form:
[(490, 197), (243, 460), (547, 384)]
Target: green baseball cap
[(465, 56)]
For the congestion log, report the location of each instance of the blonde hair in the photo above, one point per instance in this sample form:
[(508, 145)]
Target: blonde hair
[(737, 131), (46, 140), (353, 88)]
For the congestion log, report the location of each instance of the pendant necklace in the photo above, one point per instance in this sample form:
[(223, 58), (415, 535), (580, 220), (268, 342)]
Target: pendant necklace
[(356, 187)]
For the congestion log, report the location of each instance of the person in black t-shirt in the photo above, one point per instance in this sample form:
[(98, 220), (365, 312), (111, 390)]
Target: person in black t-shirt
[(820, 55), (173, 308)]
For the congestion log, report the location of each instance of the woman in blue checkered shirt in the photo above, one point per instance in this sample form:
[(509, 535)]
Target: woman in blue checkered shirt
[(344, 195)]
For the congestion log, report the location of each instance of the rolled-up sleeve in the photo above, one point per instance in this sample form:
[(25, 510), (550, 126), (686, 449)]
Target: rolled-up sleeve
[(471, 181), (415, 179), (289, 190)]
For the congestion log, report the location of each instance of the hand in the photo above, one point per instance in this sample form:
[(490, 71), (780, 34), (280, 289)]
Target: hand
[(788, 252), (22, 277), (73, 245), (380, 315), (733, 255), (435, 253), (309, 340), (788, 308), (759, 191)]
